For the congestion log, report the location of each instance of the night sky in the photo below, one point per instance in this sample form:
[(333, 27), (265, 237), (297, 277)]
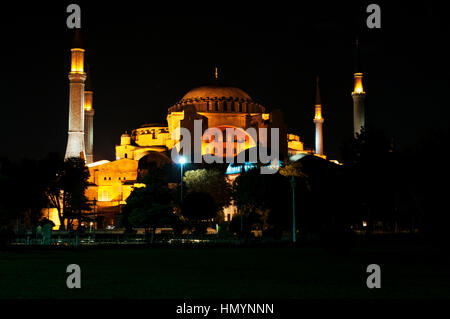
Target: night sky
[(144, 59)]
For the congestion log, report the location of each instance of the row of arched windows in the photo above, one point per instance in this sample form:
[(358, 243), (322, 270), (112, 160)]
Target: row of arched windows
[(220, 105), (109, 178), (214, 106)]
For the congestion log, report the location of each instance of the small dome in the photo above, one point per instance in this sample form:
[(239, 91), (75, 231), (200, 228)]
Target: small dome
[(216, 91), (125, 135)]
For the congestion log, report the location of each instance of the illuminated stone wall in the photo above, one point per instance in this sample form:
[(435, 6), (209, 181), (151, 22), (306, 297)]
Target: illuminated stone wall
[(151, 136), (295, 146), (125, 151), (111, 183)]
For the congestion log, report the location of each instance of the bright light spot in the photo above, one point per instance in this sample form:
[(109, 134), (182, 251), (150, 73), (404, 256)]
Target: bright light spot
[(182, 160), (98, 163), (358, 83), (364, 223)]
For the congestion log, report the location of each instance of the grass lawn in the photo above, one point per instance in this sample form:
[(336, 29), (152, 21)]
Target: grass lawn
[(257, 272)]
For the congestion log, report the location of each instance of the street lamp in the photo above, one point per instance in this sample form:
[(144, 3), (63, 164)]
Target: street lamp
[(95, 217), (182, 162), (293, 209)]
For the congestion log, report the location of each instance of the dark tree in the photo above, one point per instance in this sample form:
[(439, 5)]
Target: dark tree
[(368, 167), (31, 199), (212, 182), (74, 184), (199, 208), (52, 170), (263, 200), (431, 173), (150, 206), (8, 201)]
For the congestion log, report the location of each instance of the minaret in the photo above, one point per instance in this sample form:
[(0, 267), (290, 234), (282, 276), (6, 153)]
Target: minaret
[(359, 96), (89, 119), (75, 142), (318, 120)]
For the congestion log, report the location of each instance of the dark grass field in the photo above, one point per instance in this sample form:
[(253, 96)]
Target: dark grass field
[(258, 272)]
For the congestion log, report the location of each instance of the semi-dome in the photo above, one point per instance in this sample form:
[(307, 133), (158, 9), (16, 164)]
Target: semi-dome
[(216, 91)]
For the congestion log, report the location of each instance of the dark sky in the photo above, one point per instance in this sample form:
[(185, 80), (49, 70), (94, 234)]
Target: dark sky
[(144, 59)]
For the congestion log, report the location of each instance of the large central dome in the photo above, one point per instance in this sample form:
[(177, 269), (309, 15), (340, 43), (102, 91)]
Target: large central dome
[(216, 91), (218, 98)]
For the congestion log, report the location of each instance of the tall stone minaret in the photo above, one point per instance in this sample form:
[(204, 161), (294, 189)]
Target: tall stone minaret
[(75, 142), (89, 119), (318, 120), (358, 96)]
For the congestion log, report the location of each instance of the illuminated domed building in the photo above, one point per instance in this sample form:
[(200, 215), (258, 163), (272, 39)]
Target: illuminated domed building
[(215, 105)]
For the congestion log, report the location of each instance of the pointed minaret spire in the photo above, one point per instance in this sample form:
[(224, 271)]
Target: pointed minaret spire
[(77, 42), (77, 76), (216, 75), (358, 68), (318, 100), (358, 95), (318, 120)]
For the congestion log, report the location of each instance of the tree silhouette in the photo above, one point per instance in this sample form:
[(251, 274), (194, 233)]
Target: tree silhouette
[(74, 182), (199, 207), (150, 206), (212, 182), (52, 169), (263, 200), (367, 170)]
